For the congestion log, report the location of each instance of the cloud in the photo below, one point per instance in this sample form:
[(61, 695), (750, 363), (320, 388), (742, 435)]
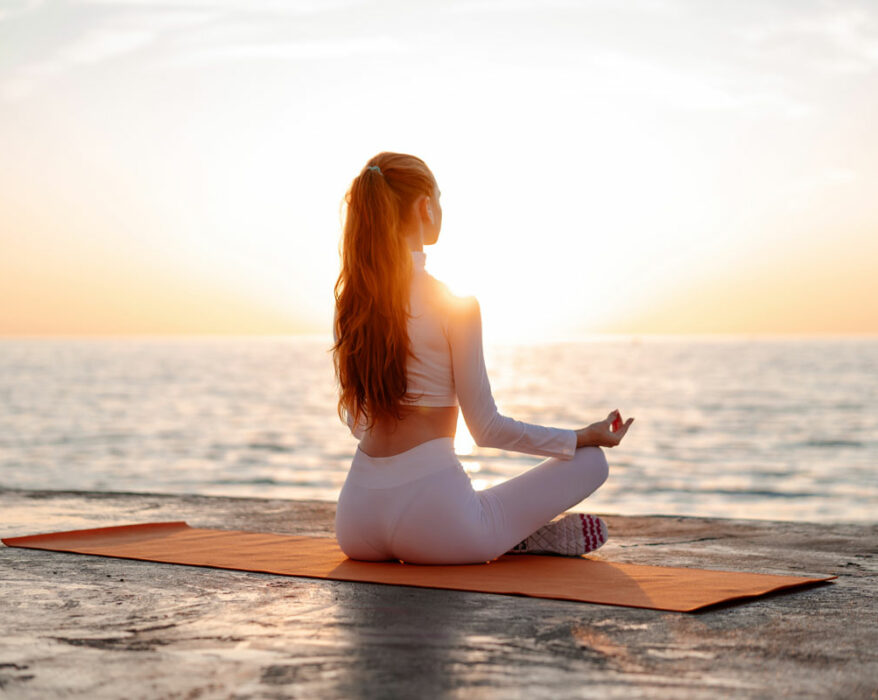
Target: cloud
[(835, 41), (466, 7), (16, 8), (285, 7), (100, 45), (92, 47), (192, 32), (291, 50), (684, 88)]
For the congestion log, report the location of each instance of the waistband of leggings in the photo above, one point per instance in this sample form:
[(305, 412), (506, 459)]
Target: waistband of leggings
[(420, 461)]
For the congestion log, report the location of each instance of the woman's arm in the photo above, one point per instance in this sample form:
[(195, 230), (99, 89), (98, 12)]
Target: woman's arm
[(486, 425)]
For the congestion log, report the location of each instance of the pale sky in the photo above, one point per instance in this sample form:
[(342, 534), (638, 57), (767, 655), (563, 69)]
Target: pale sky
[(644, 166)]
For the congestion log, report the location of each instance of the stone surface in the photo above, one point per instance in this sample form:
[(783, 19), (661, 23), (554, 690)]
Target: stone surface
[(79, 626)]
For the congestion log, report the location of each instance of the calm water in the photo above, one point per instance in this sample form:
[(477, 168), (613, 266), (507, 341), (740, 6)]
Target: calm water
[(780, 429)]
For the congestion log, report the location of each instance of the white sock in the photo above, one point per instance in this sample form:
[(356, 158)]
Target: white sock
[(571, 535)]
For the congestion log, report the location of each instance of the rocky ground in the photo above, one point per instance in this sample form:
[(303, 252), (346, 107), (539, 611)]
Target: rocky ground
[(80, 626)]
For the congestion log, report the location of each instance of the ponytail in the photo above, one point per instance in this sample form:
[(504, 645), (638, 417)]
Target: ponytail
[(371, 293)]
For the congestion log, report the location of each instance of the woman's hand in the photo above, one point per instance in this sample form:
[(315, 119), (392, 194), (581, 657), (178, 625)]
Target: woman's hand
[(607, 433)]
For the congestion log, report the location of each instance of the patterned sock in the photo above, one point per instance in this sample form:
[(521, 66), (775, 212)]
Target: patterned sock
[(570, 535)]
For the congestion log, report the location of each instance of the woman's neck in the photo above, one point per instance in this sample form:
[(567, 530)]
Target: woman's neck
[(414, 237)]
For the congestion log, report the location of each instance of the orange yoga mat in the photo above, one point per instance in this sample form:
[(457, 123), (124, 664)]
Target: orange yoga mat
[(563, 578)]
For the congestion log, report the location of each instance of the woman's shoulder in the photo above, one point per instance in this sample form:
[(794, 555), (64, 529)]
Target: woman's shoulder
[(457, 306)]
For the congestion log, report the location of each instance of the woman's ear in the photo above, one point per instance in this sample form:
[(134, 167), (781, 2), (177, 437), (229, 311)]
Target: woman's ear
[(429, 207)]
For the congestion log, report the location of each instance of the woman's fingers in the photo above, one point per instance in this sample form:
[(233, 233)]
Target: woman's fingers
[(624, 429), (612, 429)]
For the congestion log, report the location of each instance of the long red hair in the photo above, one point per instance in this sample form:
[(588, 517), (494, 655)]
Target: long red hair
[(372, 291)]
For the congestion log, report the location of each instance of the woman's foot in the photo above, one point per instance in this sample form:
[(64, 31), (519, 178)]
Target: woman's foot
[(571, 535)]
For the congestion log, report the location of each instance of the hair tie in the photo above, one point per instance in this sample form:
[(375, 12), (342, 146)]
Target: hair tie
[(374, 167)]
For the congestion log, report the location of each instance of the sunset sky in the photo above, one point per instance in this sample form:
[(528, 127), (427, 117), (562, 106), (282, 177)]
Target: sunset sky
[(637, 166)]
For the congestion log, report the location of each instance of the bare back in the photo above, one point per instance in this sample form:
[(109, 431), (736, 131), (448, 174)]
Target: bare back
[(422, 424)]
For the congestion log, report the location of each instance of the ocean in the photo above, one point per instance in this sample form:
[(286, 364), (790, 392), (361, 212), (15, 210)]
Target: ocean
[(769, 428)]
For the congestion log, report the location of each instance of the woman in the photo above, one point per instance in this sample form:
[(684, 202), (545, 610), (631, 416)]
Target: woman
[(407, 354)]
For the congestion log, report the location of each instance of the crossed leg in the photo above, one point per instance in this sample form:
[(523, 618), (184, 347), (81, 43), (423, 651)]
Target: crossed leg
[(520, 506)]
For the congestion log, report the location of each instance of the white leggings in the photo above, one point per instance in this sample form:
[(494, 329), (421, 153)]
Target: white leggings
[(419, 506)]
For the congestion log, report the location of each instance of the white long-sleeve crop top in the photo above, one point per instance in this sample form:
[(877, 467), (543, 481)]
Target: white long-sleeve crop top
[(448, 369)]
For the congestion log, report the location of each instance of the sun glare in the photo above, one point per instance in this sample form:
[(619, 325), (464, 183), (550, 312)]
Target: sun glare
[(463, 441)]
